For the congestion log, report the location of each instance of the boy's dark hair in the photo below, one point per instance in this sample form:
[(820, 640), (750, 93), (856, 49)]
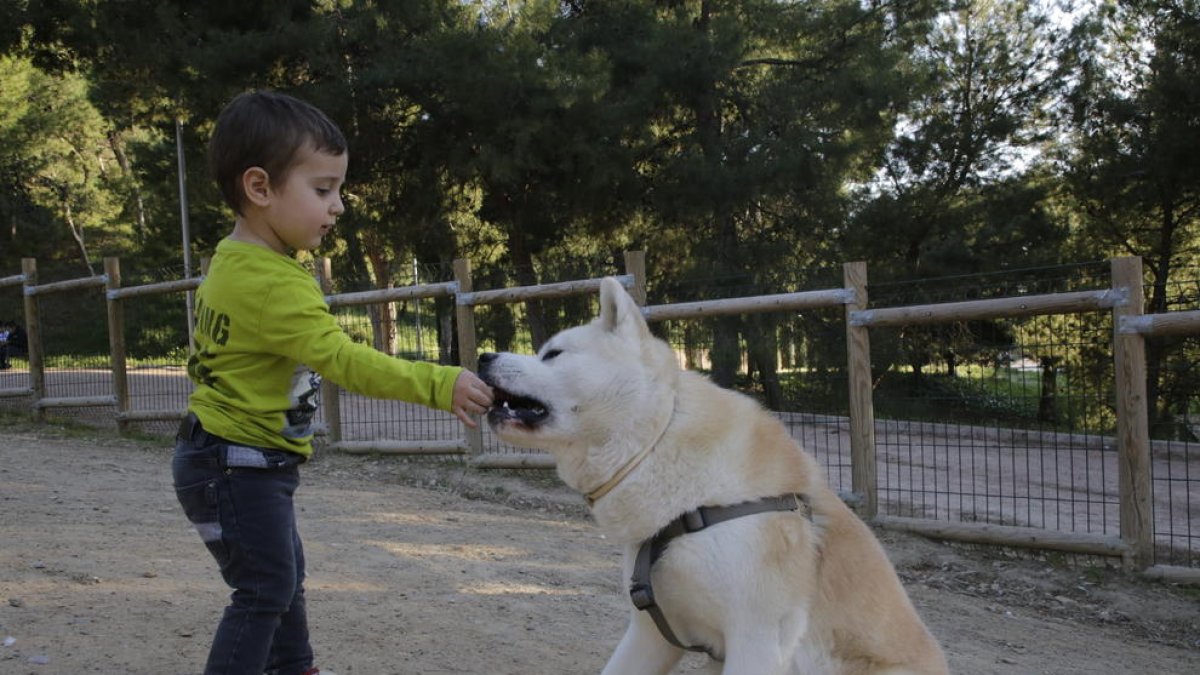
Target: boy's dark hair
[(266, 129)]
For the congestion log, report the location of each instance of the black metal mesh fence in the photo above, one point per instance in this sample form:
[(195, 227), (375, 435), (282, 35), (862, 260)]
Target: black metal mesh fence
[(1001, 421), (417, 330), (1175, 470), (156, 343)]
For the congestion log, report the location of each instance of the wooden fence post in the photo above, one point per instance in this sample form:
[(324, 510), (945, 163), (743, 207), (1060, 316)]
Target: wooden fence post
[(116, 339), (33, 335), (1133, 427), (468, 357), (862, 407), (331, 394), (635, 265)]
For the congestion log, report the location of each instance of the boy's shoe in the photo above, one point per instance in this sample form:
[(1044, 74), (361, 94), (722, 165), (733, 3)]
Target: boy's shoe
[(318, 671)]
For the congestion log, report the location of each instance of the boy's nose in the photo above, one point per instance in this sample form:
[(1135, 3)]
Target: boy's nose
[(338, 208)]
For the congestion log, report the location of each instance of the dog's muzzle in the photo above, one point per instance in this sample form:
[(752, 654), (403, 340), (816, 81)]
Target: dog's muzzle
[(507, 406)]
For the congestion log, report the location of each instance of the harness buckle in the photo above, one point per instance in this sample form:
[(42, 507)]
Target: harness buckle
[(642, 596), (693, 521), (802, 506)]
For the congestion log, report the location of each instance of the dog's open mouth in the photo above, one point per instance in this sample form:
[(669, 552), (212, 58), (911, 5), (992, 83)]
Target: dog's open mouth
[(509, 407)]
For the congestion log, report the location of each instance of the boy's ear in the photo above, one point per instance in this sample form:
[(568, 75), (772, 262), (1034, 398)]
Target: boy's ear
[(256, 184)]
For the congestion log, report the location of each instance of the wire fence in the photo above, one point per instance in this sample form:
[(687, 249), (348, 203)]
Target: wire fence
[(999, 421)]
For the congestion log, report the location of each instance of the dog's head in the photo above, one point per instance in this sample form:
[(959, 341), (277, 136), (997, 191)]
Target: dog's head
[(586, 383)]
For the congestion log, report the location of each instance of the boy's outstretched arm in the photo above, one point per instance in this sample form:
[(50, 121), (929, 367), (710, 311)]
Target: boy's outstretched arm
[(471, 397)]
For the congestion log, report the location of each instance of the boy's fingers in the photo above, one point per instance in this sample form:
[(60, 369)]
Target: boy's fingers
[(477, 390), (466, 419)]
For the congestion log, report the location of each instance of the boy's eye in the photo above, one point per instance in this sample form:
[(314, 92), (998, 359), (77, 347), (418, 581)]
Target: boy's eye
[(551, 354)]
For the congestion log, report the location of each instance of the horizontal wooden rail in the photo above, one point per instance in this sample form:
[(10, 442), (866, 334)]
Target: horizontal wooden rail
[(836, 297), (384, 447), (1167, 323), (68, 285), (563, 289), (1008, 535), (76, 402), (522, 460), (155, 289), (16, 392), (996, 308), (172, 415), (399, 294), (14, 280), (1174, 574)]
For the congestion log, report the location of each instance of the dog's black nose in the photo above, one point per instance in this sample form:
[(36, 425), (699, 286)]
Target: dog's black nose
[(487, 357)]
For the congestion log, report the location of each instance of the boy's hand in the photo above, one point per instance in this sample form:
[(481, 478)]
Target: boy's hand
[(471, 397)]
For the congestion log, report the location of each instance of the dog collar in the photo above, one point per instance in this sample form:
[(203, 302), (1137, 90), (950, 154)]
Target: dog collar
[(608, 485)]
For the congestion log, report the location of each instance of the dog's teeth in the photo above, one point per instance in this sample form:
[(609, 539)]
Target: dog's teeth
[(506, 406)]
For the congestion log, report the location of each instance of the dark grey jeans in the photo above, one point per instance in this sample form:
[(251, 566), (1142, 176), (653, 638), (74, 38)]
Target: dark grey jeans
[(240, 501)]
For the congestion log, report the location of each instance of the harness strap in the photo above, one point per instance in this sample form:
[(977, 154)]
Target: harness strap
[(641, 591)]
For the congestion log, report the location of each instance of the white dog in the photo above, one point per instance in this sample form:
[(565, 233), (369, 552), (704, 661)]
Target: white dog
[(774, 576)]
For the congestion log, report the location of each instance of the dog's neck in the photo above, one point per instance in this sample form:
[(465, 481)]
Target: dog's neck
[(607, 486)]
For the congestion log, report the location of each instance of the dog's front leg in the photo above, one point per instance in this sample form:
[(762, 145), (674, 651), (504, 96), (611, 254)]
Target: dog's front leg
[(767, 646), (642, 651), (762, 663)]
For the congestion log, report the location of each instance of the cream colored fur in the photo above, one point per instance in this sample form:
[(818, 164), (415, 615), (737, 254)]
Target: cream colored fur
[(773, 593)]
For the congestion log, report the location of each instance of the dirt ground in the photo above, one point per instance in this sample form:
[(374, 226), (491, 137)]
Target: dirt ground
[(425, 567)]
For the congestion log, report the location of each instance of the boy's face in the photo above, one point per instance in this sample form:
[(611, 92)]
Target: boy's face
[(305, 206)]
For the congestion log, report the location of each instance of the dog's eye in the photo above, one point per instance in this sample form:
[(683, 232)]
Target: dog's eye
[(551, 354)]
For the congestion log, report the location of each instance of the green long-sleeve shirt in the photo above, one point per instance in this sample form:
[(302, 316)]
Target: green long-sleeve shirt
[(262, 328)]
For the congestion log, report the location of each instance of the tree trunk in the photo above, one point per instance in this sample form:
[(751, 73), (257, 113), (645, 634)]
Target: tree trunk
[(726, 355), (1160, 271), (356, 277), (1048, 401), (383, 317), (139, 207), (77, 234), (504, 327), (763, 347), (535, 316), (447, 344), (951, 362)]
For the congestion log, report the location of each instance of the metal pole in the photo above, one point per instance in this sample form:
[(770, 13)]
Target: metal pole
[(187, 236), (417, 307)]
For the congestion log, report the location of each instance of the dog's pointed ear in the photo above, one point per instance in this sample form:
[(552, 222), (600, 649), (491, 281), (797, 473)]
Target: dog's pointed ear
[(619, 313)]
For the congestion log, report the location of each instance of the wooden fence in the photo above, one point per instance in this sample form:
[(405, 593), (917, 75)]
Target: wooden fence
[(1124, 300)]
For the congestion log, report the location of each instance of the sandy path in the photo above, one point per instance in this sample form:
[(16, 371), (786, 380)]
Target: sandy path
[(425, 568)]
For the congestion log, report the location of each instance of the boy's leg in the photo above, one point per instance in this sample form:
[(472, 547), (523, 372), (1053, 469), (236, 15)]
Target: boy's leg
[(291, 651), (262, 571), (246, 519)]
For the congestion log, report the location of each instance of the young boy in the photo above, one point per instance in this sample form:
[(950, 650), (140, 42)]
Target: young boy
[(262, 329)]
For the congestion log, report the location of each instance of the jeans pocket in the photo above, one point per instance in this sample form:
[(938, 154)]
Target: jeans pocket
[(200, 504)]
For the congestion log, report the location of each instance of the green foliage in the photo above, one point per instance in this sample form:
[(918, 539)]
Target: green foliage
[(748, 145), (61, 196), (957, 188)]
